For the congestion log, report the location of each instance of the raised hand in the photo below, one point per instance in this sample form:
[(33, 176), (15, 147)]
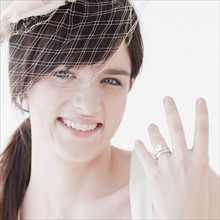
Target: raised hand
[(178, 180)]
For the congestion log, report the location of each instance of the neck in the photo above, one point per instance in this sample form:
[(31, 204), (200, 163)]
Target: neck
[(64, 182)]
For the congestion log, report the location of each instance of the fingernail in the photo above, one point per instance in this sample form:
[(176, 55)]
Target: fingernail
[(137, 143), (152, 127), (168, 100), (201, 101)]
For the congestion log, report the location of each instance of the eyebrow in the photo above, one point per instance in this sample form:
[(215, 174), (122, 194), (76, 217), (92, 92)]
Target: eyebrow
[(117, 72)]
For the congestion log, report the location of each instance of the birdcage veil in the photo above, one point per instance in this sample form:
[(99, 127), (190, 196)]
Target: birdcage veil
[(70, 34)]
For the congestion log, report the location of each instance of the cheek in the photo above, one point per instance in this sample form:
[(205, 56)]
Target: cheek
[(116, 105), (45, 98), (44, 107)]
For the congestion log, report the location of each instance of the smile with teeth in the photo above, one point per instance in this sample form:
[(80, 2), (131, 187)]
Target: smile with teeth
[(78, 126)]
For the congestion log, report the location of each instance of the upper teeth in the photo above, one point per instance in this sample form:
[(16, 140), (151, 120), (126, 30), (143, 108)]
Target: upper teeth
[(78, 126)]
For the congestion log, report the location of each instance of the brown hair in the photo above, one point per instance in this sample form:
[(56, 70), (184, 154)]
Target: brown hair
[(15, 161)]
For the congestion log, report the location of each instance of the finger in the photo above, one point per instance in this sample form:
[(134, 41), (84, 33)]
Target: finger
[(175, 127), (155, 136), (201, 136), (157, 139), (145, 157)]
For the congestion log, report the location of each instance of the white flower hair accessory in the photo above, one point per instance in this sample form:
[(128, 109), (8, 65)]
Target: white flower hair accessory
[(13, 11)]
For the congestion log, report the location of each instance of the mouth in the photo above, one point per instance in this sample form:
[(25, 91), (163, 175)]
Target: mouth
[(85, 127)]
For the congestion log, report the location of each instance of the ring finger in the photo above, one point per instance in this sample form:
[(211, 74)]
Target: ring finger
[(158, 141)]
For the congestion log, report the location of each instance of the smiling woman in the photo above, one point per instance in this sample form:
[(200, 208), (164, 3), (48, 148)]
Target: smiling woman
[(71, 67)]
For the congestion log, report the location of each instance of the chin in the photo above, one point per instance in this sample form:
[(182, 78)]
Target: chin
[(72, 153)]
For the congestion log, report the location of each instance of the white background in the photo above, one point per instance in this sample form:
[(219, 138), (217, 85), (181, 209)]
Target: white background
[(181, 41)]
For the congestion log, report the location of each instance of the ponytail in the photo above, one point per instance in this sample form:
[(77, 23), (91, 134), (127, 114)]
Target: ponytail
[(15, 167)]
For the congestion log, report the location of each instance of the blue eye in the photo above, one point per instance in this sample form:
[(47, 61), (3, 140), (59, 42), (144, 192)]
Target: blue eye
[(112, 81), (62, 74)]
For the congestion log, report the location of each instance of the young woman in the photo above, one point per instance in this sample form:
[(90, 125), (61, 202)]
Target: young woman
[(71, 67)]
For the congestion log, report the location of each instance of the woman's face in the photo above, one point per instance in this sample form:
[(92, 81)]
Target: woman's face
[(75, 112)]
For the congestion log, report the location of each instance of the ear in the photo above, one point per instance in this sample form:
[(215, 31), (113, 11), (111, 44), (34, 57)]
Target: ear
[(131, 84), (22, 101), (25, 97)]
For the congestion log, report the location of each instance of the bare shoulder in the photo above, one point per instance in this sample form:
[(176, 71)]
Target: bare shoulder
[(214, 204)]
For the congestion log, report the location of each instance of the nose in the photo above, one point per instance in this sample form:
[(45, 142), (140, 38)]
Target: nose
[(86, 100)]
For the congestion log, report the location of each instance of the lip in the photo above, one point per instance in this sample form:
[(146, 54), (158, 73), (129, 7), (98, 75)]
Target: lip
[(81, 134)]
